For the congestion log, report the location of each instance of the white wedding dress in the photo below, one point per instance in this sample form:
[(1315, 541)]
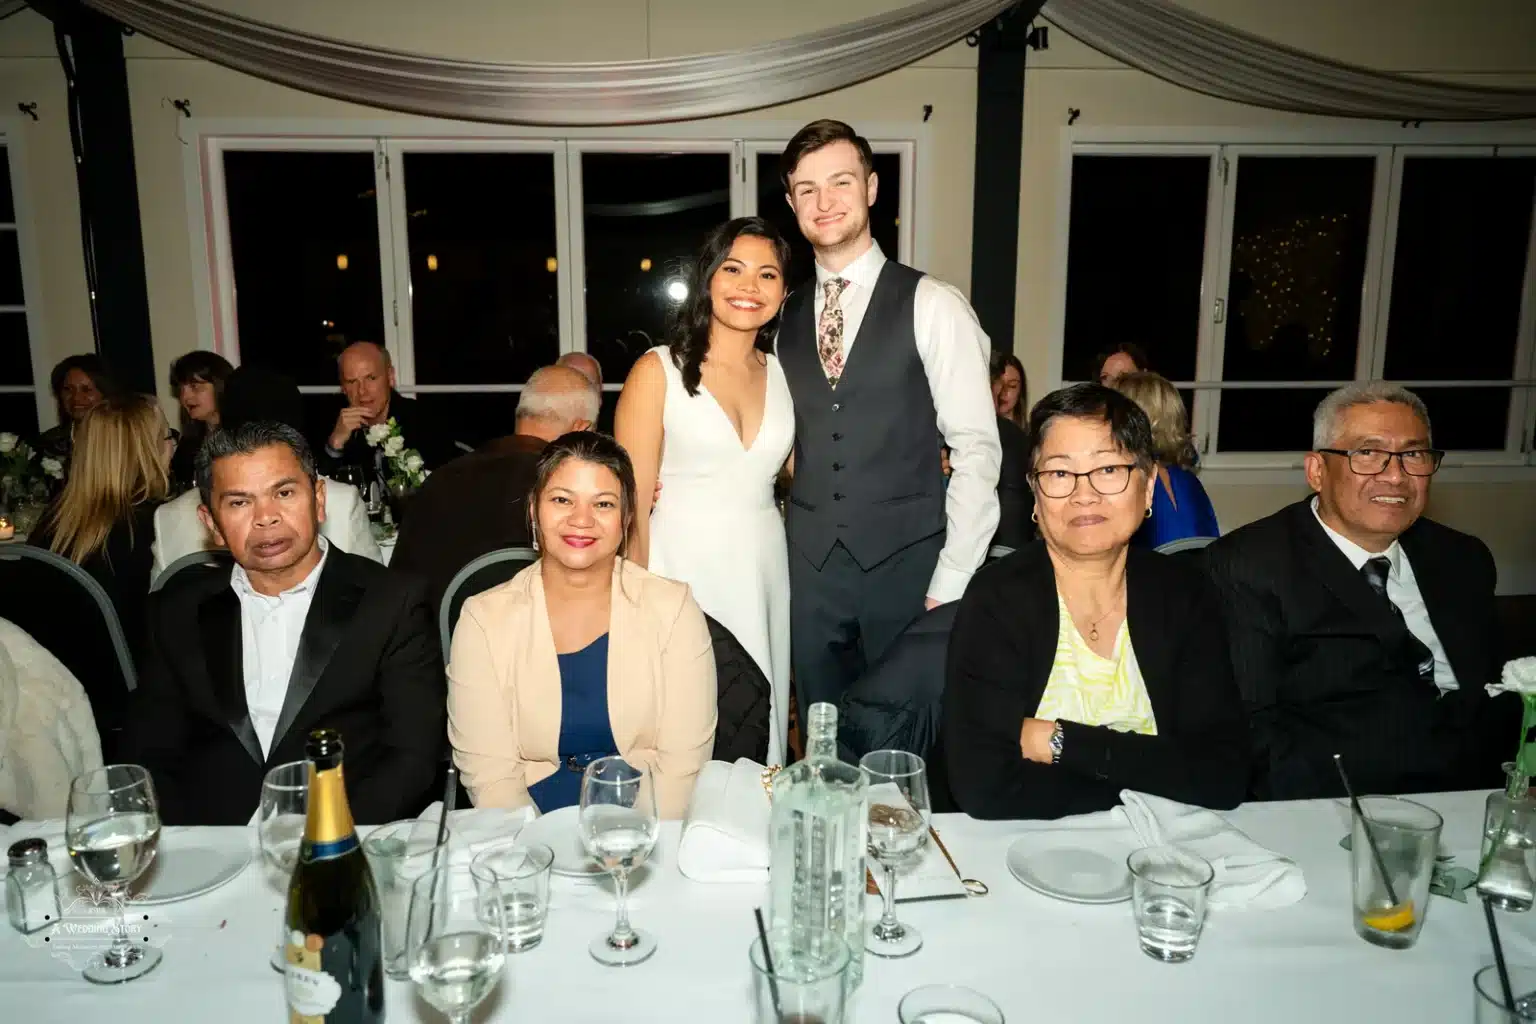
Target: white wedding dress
[(716, 528)]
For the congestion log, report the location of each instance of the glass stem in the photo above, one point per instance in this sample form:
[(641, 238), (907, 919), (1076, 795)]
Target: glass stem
[(889, 926), (623, 935), (122, 948)]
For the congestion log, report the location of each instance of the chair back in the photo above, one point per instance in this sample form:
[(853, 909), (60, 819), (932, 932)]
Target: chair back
[(214, 558), (1174, 547), (997, 551), (744, 699), (64, 609), (481, 574)]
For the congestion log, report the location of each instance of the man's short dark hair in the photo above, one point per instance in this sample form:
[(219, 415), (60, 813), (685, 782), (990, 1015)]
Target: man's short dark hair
[(247, 439), (1128, 424), (819, 135)]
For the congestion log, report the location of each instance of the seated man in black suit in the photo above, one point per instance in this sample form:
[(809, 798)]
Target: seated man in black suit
[(479, 503), (299, 635), (1360, 628), (368, 381)]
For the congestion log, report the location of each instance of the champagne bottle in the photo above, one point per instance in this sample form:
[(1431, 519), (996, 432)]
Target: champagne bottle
[(334, 956)]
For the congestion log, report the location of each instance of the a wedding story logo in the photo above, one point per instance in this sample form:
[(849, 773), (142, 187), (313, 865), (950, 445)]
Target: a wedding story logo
[(89, 925)]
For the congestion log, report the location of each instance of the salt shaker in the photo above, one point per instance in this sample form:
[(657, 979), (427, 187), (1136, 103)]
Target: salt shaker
[(31, 887)]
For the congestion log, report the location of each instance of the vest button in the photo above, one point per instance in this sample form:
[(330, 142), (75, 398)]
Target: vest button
[(837, 497), (836, 406), (837, 467), (837, 437)]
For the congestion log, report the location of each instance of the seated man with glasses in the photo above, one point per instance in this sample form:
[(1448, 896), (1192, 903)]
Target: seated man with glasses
[(1359, 627)]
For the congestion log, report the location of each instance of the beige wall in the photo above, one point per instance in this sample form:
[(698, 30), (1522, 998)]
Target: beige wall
[(1483, 40)]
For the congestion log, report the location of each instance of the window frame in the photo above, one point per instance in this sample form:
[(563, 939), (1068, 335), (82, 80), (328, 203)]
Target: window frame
[(13, 138), (1391, 146)]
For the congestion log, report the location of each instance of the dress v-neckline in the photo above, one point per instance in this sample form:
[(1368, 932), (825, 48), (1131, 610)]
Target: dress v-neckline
[(767, 391)]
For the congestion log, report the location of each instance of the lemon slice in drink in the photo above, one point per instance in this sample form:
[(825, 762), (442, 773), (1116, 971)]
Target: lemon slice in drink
[(1390, 919)]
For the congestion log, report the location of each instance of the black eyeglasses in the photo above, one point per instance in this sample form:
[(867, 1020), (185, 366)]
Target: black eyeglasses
[(1374, 461), (172, 435), (1107, 480)]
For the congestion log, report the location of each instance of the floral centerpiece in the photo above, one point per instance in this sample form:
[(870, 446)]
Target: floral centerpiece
[(405, 468), (1504, 873), (23, 475)]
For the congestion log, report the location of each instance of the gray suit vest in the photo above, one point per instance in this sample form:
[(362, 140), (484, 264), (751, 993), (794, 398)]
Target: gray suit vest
[(867, 469)]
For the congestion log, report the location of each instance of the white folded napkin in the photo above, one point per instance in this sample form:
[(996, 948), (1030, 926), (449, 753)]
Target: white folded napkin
[(725, 838), (475, 828), (1247, 875)]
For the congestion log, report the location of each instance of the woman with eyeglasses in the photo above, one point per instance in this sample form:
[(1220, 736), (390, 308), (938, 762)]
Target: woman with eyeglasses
[(1080, 665)]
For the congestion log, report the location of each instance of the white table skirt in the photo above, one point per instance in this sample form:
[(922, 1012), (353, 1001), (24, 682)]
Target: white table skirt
[(1041, 960)]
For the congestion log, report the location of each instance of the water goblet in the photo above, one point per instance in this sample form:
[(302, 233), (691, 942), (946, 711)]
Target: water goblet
[(112, 831), (453, 942), (618, 826), (898, 831), (280, 832)]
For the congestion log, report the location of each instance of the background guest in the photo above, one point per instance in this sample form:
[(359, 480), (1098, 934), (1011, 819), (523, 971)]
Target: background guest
[(103, 520), (368, 381), (1010, 388), (1126, 357), (79, 384), (478, 503), (581, 655), (197, 381), (1180, 506), (588, 366), (1080, 665)]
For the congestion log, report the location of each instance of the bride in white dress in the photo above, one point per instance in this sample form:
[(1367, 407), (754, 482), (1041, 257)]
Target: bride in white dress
[(709, 416)]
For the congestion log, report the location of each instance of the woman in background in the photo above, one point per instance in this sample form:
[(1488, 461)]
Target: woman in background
[(197, 381), (1015, 501), (1126, 357), (1010, 388), (1180, 506), (79, 384)]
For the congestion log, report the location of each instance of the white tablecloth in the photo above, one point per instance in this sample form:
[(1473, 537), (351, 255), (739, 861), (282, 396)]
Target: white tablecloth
[(1041, 960)]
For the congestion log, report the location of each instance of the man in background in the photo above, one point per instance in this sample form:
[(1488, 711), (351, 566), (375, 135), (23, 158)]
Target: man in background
[(588, 366), (368, 381), (478, 503)]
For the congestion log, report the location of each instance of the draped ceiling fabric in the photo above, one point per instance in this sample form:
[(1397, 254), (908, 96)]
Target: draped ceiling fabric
[(610, 93), (1177, 45)]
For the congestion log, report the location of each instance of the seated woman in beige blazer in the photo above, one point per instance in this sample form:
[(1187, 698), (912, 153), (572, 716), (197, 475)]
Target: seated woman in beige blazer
[(582, 654)]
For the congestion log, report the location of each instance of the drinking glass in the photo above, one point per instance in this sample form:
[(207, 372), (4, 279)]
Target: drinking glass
[(1489, 993), (618, 826), (398, 854), (517, 876), (806, 982), (947, 1004), (112, 830), (1407, 835), (1170, 888), (898, 831), (453, 940), (280, 832)]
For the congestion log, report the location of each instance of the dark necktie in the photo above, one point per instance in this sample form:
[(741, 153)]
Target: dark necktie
[(1375, 571)]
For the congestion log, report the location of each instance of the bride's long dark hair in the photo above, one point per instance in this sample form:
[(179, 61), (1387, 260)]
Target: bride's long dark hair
[(688, 337)]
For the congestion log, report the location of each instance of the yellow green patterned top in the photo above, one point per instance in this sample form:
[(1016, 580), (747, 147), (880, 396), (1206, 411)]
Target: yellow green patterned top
[(1094, 690)]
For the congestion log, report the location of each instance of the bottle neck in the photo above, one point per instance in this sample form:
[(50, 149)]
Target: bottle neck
[(822, 746), (328, 828)]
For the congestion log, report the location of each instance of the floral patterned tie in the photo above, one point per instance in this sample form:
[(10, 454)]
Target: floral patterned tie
[(829, 332)]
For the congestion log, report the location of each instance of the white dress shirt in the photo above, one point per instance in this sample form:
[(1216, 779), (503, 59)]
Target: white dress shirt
[(955, 353), (270, 631), (1403, 591)]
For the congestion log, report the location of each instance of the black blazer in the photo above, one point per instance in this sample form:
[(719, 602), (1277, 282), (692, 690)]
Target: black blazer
[(368, 665), (1000, 655), (1324, 667), (1015, 500), (433, 440)]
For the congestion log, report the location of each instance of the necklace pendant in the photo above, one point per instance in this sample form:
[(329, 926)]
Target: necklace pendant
[(1093, 634)]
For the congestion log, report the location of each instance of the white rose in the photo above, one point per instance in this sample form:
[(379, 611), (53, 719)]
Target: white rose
[(377, 433), (413, 463), (1519, 676), (7, 443), (53, 467), (394, 446)]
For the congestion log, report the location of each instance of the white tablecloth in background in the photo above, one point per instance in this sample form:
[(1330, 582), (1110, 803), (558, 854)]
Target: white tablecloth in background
[(1040, 959)]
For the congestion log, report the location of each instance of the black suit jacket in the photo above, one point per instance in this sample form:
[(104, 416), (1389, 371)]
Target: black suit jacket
[(472, 507), (1325, 668), (1014, 498), (368, 665), (1001, 651), (432, 439)]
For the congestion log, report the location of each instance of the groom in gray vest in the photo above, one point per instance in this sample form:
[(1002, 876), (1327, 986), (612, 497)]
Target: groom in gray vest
[(886, 365)]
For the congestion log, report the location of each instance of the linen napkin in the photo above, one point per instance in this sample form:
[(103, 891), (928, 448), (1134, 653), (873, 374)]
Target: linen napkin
[(475, 828), (1247, 875), (725, 837)]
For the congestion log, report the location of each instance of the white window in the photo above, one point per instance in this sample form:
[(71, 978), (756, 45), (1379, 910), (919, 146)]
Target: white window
[(26, 401), (477, 260), (1260, 275)]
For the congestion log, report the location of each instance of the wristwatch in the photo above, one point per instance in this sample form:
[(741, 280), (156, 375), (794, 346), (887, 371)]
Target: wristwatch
[(1055, 744)]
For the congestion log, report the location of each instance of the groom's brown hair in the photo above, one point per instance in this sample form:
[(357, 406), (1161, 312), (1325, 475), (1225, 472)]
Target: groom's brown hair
[(819, 135)]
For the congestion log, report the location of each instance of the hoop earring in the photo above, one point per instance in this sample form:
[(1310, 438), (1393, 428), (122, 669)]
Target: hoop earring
[(1034, 516), (1149, 513)]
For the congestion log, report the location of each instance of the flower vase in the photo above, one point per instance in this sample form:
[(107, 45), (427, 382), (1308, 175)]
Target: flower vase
[(400, 495), (1506, 877)]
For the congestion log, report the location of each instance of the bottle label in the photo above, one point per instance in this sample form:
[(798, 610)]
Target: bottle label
[(311, 992), (312, 851)]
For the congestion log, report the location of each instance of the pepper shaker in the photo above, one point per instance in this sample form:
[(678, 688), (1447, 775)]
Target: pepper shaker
[(31, 887)]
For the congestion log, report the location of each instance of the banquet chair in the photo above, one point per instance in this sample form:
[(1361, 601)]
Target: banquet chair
[(214, 558), (1184, 544), (744, 700), (65, 610), (997, 551), (483, 573)]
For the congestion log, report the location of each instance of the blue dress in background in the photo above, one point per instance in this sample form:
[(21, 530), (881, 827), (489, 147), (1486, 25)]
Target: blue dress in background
[(585, 732), (1188, 514)]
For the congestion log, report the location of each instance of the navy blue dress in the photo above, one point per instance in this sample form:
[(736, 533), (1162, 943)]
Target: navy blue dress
[(585, 732), (1192, 516)]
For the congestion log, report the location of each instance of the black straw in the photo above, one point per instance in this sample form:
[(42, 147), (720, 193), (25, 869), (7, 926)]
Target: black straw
[(1370, 840), (450, 792), (1498, 958), (773, 982)]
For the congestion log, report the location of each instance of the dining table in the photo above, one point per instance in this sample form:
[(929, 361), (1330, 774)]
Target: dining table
[(1038, 958)]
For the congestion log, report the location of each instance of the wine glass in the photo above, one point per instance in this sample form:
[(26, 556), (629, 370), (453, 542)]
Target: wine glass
[(280, 831), (453, 939), (898, 831), (618, 827), (112, 830)]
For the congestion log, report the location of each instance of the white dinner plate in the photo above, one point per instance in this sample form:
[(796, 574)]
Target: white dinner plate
[(1061, 866), (184, 867), (557, 830)]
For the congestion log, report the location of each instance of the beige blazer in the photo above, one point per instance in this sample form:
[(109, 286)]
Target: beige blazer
[(504, 687)]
